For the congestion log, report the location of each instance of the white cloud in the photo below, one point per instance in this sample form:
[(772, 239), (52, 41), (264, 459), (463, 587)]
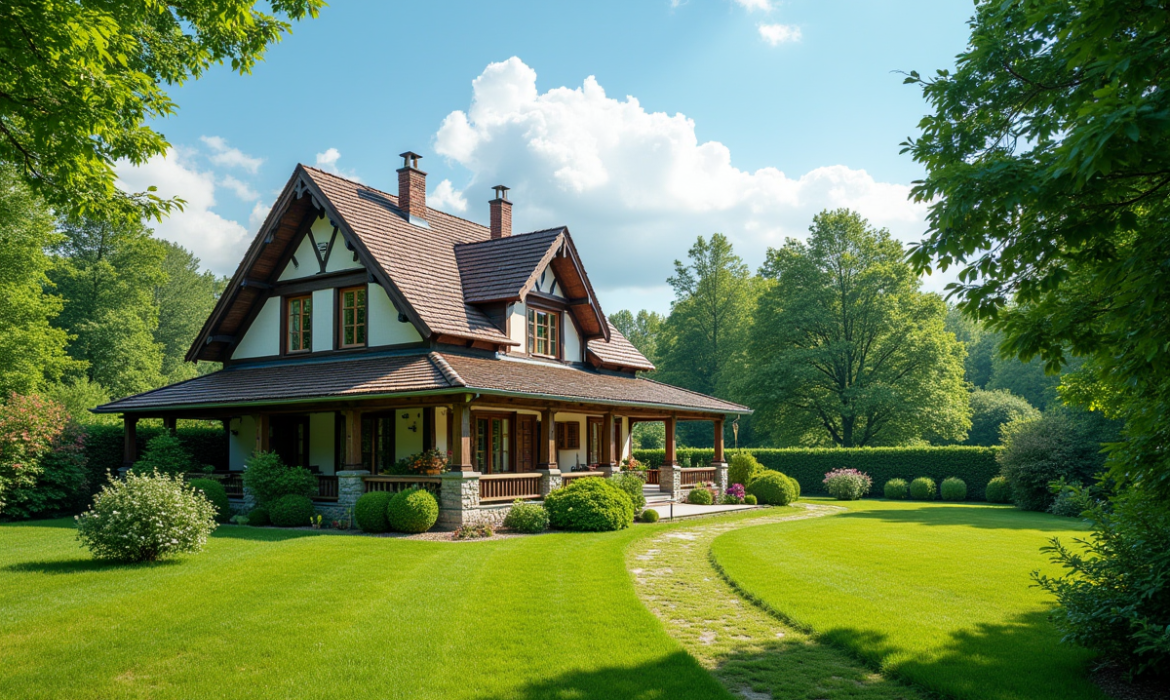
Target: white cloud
[(259, 213), (224, 155), (776, 34), (327, 161), (753, 5), (242, 189), (216, 241), (637, 187), (446, 198)]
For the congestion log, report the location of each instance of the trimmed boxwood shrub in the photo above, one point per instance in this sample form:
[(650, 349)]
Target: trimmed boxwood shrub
[(527, 517), (292, 510), (772, 488), (649, 516), (751, 499), (591, 505), (896, 489), (795, 487), (743, 468), (922, 489), (215, 493), (974, 465), (269, 478), (632, 484), (412, 510), (953, 489), (259, 517), (370, 511), (999, 490), (700, 496)]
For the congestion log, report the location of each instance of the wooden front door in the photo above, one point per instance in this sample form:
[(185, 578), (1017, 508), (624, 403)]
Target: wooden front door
[(525, 443), (290, 439)]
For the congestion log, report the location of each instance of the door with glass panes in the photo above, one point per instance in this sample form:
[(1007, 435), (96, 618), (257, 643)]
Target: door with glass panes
[(494, 445)]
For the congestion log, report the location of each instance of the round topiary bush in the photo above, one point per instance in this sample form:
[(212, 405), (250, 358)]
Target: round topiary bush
[(412, 510), (700, 496), (213, 491), (259, 517), (847, 484), (999, 490), (953, 489), (632, 485), (370, 511), (590, 505), (527, 517), (751, 499), (145, 517), (743, 468), (897, 489), (922, 489), (772, 488), (650, 516), (795, 488), (290, 511)]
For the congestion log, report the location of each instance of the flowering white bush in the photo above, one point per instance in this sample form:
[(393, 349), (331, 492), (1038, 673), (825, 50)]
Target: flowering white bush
[(146, 517), (847, 484)]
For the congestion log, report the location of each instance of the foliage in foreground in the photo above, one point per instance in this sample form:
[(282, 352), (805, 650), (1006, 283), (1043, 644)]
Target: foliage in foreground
[(1115, 595), (412, 510), (42, 459), (269, 478), (291, 510), (632, 485), (370, 511), (146, 517), (1061, 445), (215, 493), (591, 505), (530, 518)]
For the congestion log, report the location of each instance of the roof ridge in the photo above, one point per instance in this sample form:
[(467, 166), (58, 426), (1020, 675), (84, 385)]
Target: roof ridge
[(692, 391), (447, 370), (513, 237)]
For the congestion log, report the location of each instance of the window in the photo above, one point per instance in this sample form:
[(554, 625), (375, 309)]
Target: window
[(353, 317), (568, 436), (300, 324), (542, 332), (593, 452), (493, 442)]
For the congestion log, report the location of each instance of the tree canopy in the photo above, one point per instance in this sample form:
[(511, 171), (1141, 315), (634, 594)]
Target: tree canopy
[(846, 350), (1047, 155), (80, 80)]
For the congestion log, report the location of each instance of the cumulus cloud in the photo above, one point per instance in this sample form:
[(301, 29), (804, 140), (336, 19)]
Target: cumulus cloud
[(216, 241), (776, 34), (242, 189), (446, 198), (327, 161), (259, 213), (636, 187), (228, 157), (753, 5)]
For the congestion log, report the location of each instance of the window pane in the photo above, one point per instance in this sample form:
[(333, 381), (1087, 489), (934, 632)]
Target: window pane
[(361, 335), (348, 339)]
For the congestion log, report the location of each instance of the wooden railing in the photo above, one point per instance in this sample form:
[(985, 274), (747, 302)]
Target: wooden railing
[(651, 476), (508, 487), (569, 477), (233, 482), (326, 487), (696, 475), (394, 484)]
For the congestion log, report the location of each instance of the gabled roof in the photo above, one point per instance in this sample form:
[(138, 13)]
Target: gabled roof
[(618, 352), (433, 372)]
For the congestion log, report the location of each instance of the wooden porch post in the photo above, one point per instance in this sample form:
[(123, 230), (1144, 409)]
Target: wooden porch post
[(670, 456), (607, 459), (461, 452), (129, 441), (718, 440), (261, 433), (547, 440), (170, 424), (353, 441)]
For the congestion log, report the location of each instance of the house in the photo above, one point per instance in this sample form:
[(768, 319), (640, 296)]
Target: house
[(363, 327)]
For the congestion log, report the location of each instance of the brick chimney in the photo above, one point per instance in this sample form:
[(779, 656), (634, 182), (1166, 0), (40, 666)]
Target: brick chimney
[(412, 189), (501, 213)]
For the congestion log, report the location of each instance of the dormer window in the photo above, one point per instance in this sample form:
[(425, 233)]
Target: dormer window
[(543, 333), (299, 324), (352, 329)]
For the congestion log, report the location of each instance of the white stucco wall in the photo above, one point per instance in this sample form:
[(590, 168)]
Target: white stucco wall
[(384, 326), (572, 339), (263, 336), (518, 325), (240, 445), (323, 319), (567, 459), (547, 283), (339, 258), (322, 427), (442, 443), (408, 442)]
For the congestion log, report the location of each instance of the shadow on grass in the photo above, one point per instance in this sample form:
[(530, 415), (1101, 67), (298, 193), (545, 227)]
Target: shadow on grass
[(984, 517), (262, 534), (66, 523), (676, 676), (74, 566)]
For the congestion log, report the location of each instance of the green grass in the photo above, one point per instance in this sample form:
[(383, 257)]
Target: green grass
[(937, 594), (271, 614)]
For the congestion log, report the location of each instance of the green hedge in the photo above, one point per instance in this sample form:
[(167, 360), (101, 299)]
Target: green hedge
[(103, 447), (974, 465)]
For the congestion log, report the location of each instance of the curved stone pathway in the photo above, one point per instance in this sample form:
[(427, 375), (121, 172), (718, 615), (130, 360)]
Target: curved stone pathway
[(754, 655)]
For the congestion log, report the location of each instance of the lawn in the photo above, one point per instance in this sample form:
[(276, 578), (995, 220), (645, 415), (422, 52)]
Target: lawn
[(936, 594), (272, 614)]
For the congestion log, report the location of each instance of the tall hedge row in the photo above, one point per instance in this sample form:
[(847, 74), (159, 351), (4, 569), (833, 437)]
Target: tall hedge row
[(974, 465), (103, 447)]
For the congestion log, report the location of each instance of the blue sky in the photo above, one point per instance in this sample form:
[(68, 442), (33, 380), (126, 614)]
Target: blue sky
[(739, 116)]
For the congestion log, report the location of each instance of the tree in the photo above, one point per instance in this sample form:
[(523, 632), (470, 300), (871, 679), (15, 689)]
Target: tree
[(990, 410), (708, 318), (184, 301), (641, 330), (32, 351), (1025, 379), (80, 80), (846, 350), (1047, 158), (108, 273)]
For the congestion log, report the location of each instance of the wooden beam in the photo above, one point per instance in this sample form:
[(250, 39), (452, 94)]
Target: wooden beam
[(170, 424), (261, 422), (129, 441), (670, 458), (547, 440), (607, 459), (718, 440), (461, 453)]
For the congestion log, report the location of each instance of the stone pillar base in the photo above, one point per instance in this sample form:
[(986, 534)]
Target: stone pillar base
[(720, 478), (610, 469), (350, 487), (670, 480), (550, 480), (458, 499)]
